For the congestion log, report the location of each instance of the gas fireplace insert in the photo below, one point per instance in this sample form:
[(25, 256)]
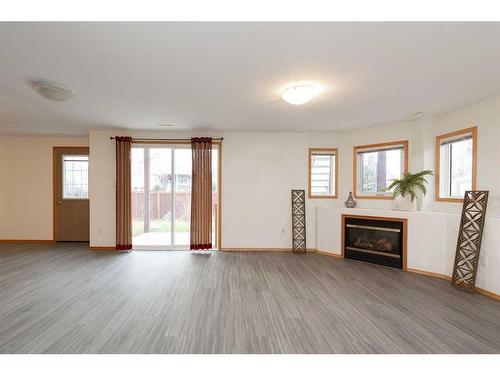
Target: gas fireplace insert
[(375, 240)]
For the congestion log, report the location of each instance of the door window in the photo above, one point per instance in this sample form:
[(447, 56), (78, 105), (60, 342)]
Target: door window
[(75, 176)]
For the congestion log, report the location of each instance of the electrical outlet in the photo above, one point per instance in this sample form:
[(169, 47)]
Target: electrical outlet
[(283, 231), (99, 230)]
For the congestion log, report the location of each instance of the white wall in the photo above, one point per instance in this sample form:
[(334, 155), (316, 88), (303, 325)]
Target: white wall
[(26, 185), (102, 189), (258, 172)]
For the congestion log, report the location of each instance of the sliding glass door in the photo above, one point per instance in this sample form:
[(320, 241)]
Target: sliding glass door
[(182, 196), (161, 196)]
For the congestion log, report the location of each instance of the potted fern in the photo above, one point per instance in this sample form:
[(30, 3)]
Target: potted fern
[(406, 189)]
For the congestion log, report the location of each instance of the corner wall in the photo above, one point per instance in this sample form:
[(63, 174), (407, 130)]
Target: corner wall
[(433, 232)]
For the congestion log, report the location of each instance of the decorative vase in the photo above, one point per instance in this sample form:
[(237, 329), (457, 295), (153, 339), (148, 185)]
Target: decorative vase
[(404, 203), (351, 201)]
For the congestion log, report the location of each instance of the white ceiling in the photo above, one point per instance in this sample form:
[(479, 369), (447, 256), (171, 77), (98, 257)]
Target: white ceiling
[(227, 76)]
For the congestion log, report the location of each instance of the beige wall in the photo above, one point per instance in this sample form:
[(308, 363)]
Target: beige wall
[(26, 185)]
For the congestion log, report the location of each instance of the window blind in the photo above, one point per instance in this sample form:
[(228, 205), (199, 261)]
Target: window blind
[(454, 140), (367, 151)]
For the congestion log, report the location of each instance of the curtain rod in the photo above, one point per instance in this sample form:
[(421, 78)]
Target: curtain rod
[(167, 139)]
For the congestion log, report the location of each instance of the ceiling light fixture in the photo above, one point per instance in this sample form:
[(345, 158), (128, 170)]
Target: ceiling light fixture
[(166, 125), (300, 93), (51, 90)]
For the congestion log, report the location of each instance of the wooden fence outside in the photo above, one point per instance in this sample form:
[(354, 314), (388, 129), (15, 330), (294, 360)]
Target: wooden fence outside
[(160, 204)]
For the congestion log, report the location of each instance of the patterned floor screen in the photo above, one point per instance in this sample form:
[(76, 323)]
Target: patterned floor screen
[(298, 221), (469, 240)]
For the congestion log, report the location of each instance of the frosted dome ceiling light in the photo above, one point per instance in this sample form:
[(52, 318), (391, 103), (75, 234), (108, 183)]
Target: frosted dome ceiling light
[(300, 93), (52, 90)]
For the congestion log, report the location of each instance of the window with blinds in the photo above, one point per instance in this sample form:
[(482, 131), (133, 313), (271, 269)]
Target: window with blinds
[(322, 173), (456, 163), (376, 166)]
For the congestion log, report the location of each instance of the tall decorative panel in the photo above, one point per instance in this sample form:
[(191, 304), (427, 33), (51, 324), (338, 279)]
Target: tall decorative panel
[(298, 221), (469, 240)]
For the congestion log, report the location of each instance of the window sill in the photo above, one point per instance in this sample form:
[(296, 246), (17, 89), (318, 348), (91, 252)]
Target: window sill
[(450, 200), (381, 197), (322, 196)]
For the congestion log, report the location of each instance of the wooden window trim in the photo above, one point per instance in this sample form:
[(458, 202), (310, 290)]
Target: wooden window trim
[(326, 150), (375, 146), (473, 131)]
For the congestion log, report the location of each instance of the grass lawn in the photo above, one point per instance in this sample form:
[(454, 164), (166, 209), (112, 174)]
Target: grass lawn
[(159, 226)]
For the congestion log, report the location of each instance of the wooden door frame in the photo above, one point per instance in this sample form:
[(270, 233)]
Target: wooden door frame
[(54, 182)]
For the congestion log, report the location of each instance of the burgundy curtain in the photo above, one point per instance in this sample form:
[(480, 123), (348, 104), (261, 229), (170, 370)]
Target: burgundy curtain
[(123, 194), (201, 194)]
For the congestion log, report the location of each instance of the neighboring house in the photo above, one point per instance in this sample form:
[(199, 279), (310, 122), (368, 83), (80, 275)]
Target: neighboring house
[(163, 182)]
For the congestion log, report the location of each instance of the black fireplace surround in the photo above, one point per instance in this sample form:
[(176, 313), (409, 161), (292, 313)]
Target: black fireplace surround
[(374, 240)]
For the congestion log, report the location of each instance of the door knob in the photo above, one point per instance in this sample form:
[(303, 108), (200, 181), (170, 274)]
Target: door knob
[(58, 202)]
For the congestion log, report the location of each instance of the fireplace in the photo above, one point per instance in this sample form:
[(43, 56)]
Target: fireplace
[(375, 239)]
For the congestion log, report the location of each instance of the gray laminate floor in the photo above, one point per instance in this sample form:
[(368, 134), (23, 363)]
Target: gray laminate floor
[(66, 299)]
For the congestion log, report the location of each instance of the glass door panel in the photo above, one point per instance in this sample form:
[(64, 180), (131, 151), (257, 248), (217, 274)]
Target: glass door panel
[(160, 197), (182, 194), (137, 192)]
